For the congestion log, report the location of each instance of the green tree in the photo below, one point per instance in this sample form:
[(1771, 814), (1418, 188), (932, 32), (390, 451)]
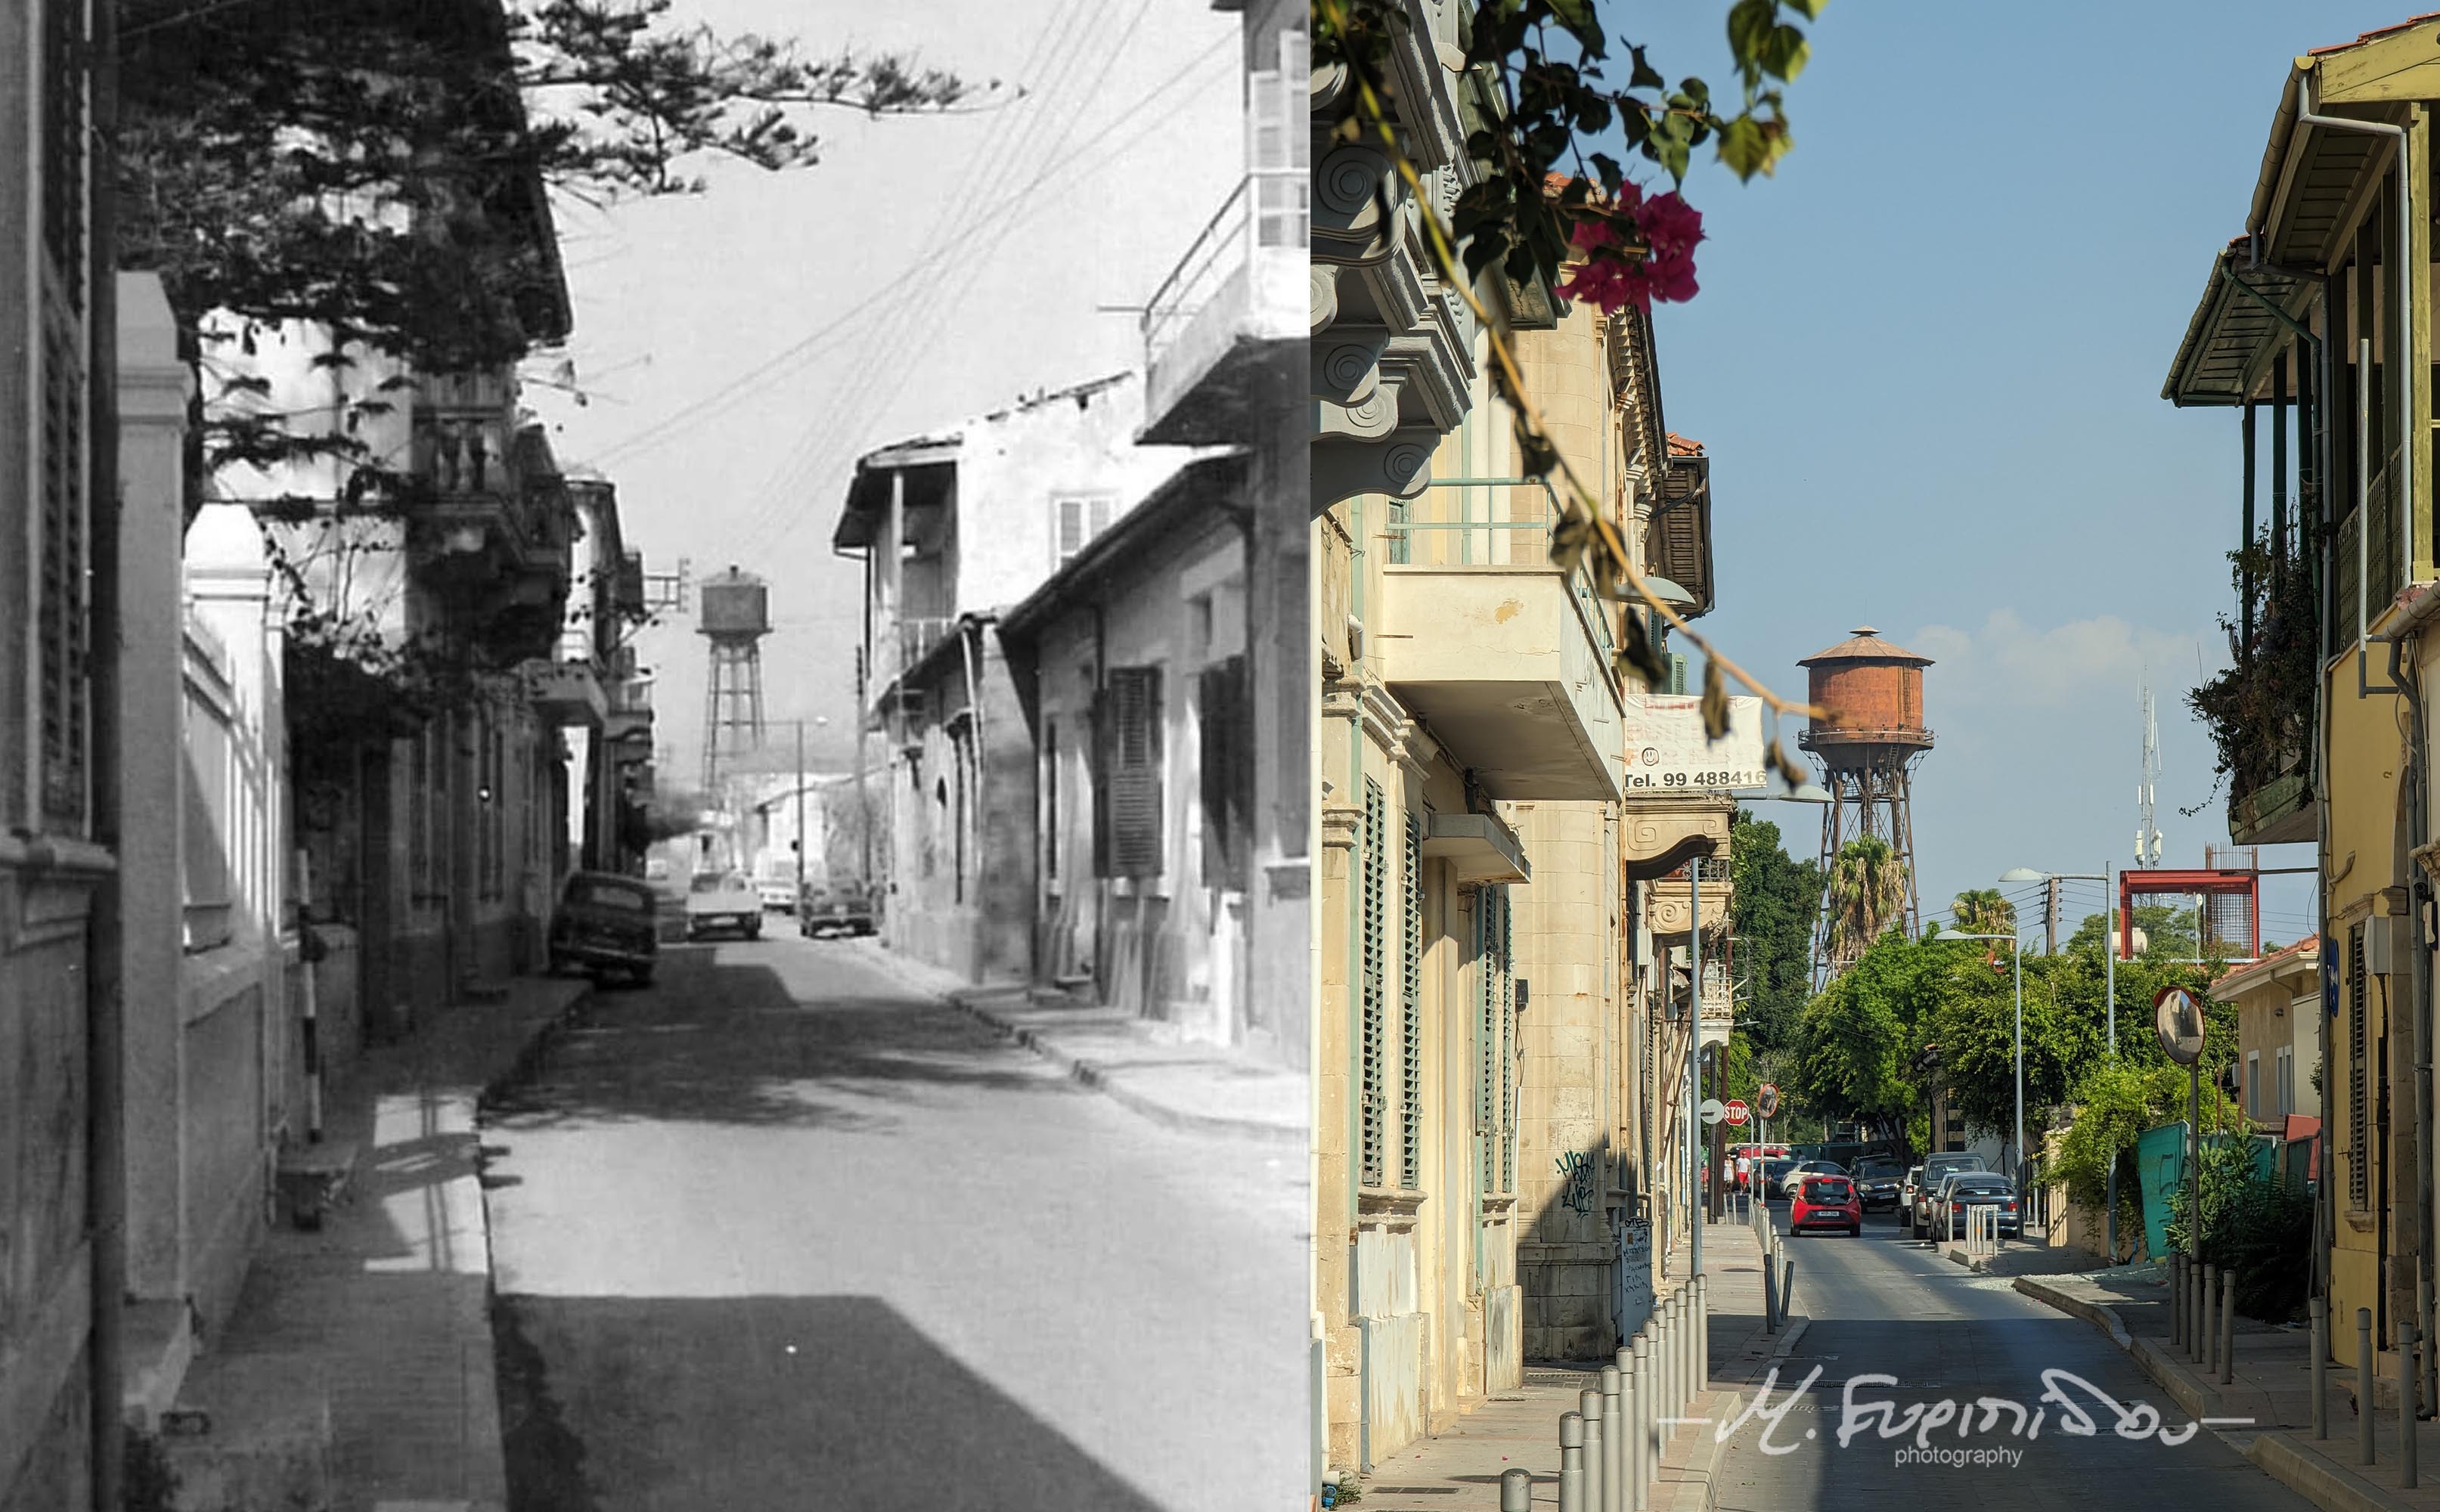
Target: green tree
[(1867, 898), (1982, 911), (1777, 899), (1857, 1041), (2168, 932)]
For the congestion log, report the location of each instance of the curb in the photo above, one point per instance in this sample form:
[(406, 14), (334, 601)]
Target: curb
[(2326, 1486), (2100, 1314), (1790, 1333), (1092, 1075)]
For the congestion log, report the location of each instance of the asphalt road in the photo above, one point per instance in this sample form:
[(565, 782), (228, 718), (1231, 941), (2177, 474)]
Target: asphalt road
[(1884, 1305), (779, 1233)]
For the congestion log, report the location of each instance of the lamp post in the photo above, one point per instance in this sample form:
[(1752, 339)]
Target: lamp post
[(2016, 959)]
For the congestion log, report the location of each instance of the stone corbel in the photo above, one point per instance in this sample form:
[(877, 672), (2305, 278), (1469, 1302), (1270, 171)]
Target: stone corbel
[(1658, 837), (1399, 465), (1340, 824), (1671, 908), (1357, 197)]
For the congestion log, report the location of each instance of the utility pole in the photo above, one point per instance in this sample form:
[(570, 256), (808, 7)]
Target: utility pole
[(2051, 918), (800, 810)]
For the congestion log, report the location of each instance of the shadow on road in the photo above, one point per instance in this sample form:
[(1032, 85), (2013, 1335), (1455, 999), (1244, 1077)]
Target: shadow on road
[(767, 1402), (728, 1043)]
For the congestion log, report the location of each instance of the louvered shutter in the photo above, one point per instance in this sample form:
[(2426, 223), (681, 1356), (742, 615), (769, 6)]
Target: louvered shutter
[(2359, 1123), (1134, 778), (61, 631), (1410, 1004), (1226, 771), (1377, 1091)]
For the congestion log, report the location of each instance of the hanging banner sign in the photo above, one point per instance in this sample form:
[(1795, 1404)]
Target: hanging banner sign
[(1668, 751)]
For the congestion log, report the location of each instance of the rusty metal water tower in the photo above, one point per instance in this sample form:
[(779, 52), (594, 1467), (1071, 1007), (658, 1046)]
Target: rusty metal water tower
[(736, 617), (1867, 744)]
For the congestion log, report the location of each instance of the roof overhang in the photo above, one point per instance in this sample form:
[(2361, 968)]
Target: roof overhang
[(1677, 537), (930, 460), (2247, 314), (2316, 181), (1202, 487)]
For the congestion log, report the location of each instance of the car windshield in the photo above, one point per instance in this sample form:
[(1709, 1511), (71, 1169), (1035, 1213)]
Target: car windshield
[(1876, 1167), (627, 899), (708, 882), (1979, 1183), (1777, 1168)]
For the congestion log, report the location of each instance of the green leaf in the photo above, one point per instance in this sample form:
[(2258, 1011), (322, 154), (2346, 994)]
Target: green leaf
[(1612, 176), (1583, 24), (1749, 28), (1645, 76), (1784, 56), (1743, 147), (1812, 8)]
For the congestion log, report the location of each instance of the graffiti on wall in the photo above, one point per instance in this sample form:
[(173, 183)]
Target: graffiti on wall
[(1576, 1172)]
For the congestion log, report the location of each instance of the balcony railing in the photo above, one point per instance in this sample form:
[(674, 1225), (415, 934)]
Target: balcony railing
[(1267, 209), (1496, 523), (906, 641)]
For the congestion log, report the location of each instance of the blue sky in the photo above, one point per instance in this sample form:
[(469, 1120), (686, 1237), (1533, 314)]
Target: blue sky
[(1926, 359)]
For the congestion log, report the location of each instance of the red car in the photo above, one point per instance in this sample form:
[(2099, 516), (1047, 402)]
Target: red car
[(1826, 1203)]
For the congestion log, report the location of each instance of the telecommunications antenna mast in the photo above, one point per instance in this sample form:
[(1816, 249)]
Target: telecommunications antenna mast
[(2147, 833)]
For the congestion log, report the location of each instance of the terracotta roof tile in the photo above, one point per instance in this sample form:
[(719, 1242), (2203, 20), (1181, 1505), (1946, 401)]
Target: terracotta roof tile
[(2377, 32), (1684, 445)]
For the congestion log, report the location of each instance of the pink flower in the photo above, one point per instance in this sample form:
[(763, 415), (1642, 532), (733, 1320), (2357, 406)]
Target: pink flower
[(1655, 262), (1670, 225)]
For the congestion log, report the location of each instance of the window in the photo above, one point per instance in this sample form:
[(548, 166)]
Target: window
[(419, 815), (1495, 1109), (2253, 1084), (1410, 1003), (1128, 813), (1280, 145), (1074, 522), (1226, 768), (1376, 1094), (2282, 1078), (2358, 1102), (1051, 838)]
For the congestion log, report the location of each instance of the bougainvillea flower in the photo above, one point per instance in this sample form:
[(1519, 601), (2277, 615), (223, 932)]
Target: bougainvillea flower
[(1657, 261)]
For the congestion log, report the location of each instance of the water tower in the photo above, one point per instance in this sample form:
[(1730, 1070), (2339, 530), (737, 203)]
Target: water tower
[(1868, 742), (736, 617)]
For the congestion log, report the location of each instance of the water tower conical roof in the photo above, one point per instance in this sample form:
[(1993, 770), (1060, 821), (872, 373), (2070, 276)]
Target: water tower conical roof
[(1864, 644)]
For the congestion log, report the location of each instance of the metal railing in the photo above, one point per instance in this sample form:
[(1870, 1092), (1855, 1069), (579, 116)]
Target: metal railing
[(1268, 208), (1491, 522)]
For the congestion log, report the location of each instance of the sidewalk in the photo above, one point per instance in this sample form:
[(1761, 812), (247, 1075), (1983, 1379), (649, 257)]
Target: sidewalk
[(1459, 1470), (2272, 1389), (357, 1373), (1139, 1063)]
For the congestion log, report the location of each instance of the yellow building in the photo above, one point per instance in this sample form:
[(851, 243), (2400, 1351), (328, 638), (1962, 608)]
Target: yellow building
[(2324, 721)]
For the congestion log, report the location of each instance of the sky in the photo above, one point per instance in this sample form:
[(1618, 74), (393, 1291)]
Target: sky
[(1926, 359), (736, 350)]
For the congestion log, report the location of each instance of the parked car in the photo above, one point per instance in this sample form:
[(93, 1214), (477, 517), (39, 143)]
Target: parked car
[(1912, 1184), (1963, 1190), (1877, 1182), (1805, 1168), (1923, 1218), (779, 893), (723, 901), (847, 906), (1771, 1172), (605, 924), (1824, 1202)]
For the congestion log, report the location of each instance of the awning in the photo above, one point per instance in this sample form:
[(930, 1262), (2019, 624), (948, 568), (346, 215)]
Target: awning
[(1478, 846), (2237, 329)]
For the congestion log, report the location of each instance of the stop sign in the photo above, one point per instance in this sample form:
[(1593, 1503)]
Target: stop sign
[(1767, 1100), (1737, 1112)]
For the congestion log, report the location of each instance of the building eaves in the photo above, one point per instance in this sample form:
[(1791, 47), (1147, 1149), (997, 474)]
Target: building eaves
[(2234, 330)]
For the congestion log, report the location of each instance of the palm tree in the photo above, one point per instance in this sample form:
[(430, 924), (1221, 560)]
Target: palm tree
[(1982, 911), (1868, 892)]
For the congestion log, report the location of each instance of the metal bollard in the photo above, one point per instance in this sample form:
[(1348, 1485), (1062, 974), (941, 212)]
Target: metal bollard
[(2410, 1392), (2210, 1335), (1588, 1407), (1515, 1490), (1640, 1472), (2178, 1300), (1769, 1294), (2363, 1385), (2197, 1344), (1613, 1391), (1630, 1438), (2227, 1327), (2321, 1314), (1571, 1464), (1786, 1285), (1668, 1403)]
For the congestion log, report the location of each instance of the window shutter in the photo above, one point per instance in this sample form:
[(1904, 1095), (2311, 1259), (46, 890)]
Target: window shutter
[(2358, 1102), (61, 631), (1135, 778), (1411, 1006), (1100, 518), (1376, 1049), (1068, 527), (1227, 773)]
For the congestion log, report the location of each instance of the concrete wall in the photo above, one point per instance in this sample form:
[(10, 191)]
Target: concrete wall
[(960, 835)]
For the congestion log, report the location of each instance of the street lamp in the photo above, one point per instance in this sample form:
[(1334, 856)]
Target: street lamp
[(2016, 959)]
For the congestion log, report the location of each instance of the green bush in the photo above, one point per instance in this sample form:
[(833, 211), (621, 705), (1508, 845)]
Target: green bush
[(2254, 1227)]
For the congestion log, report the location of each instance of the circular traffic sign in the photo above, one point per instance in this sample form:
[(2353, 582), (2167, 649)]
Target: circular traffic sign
[(2178, 1019), (1737, 1112), (1767, 1100), (1710, 1110)]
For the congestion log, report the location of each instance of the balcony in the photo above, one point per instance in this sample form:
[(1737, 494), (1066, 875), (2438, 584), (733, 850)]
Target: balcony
[(2259, 713), (900, 645), (564, 693), (1225, 334), (1670, 911), (1508, 660)]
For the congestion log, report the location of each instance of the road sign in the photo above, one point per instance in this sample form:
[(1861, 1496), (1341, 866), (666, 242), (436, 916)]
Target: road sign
[(1767, 1100), (2178, 1019), (1710, 1110), (1737, 1112)]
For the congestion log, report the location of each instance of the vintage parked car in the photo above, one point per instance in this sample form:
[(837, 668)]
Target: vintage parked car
[(845, 907), (779, 893), (605, 926), (719, 900), (1822, 1201)]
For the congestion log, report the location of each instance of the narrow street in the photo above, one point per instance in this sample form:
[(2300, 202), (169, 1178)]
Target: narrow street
[(1882, 1304), (781, 1232)]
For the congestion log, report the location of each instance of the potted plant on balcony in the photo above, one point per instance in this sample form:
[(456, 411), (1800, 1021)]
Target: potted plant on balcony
[(2260, 710)]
